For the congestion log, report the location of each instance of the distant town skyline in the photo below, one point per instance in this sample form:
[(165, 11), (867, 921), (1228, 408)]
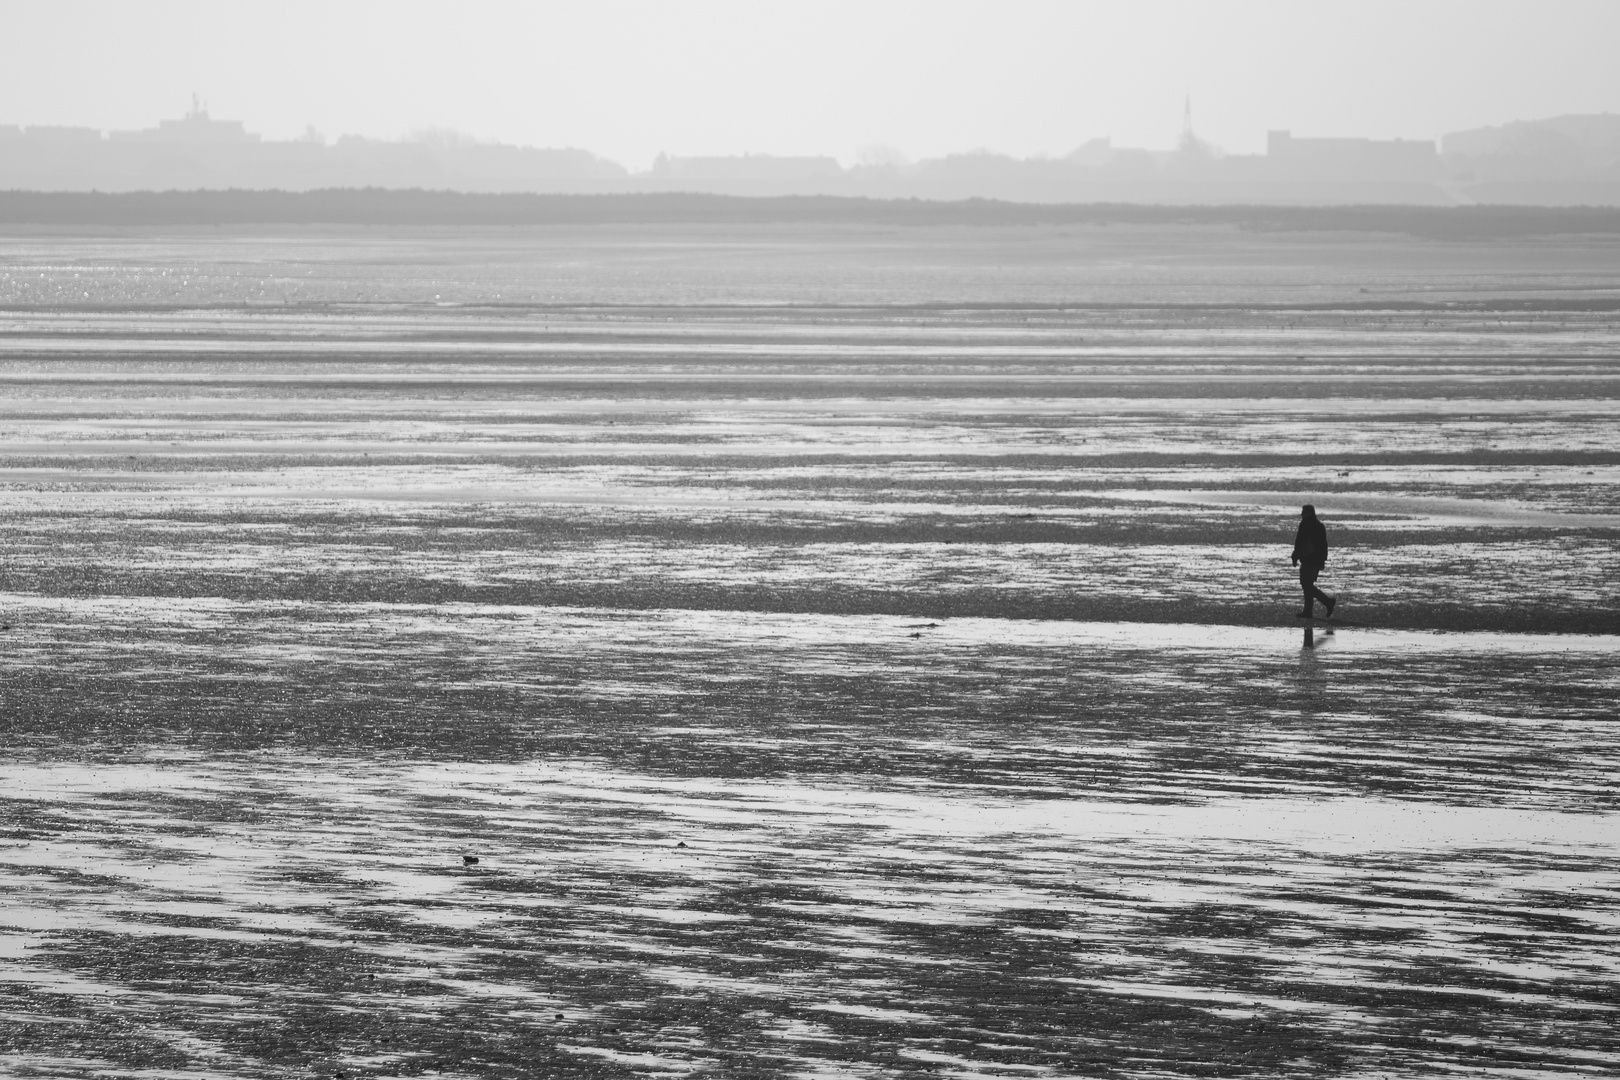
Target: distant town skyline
[(197, 124), (1566, 160), (629, 80)]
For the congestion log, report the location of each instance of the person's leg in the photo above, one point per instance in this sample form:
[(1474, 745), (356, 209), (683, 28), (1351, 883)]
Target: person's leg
[(1308, 583)]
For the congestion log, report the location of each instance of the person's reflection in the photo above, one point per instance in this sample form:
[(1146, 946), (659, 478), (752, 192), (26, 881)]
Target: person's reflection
[(1311, 678), (1312, 641)]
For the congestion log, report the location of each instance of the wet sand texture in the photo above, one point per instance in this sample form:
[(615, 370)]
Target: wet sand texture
[(791, 652)]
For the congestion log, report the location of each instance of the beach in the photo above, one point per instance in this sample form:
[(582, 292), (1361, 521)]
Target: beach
[(806, 651)]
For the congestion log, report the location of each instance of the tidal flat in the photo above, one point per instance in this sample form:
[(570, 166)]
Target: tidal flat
[(807, 652)]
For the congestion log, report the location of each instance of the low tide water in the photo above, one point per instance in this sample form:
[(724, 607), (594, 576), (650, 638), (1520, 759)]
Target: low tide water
[(825, 656)]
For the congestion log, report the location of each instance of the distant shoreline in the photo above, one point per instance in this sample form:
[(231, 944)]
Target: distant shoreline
[(395, 207)]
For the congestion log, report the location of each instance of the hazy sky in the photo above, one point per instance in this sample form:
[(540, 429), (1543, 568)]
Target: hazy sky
[(629, 79)]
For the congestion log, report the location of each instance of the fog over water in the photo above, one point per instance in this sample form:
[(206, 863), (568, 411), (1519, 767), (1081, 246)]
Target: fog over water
[(806, 651)]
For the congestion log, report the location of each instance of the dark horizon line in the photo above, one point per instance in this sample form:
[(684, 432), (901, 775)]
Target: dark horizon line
[(424, 207)]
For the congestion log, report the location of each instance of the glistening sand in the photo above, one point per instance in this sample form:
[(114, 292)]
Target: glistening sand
[(929, 586)]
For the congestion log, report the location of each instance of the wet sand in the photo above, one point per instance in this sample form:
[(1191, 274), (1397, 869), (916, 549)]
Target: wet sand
[(843, 654)]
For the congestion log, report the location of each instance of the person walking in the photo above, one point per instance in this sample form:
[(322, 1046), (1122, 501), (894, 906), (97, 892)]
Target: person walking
[(1310, 555)]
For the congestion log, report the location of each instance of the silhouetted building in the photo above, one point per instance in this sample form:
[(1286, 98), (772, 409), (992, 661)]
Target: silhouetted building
[(1561, 161), (1093, 152), (1353, 158), (53, 133), (198, 151), (195, 127)]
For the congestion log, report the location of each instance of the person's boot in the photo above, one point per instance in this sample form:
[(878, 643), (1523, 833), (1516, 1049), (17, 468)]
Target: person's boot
[(1332, 602)]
